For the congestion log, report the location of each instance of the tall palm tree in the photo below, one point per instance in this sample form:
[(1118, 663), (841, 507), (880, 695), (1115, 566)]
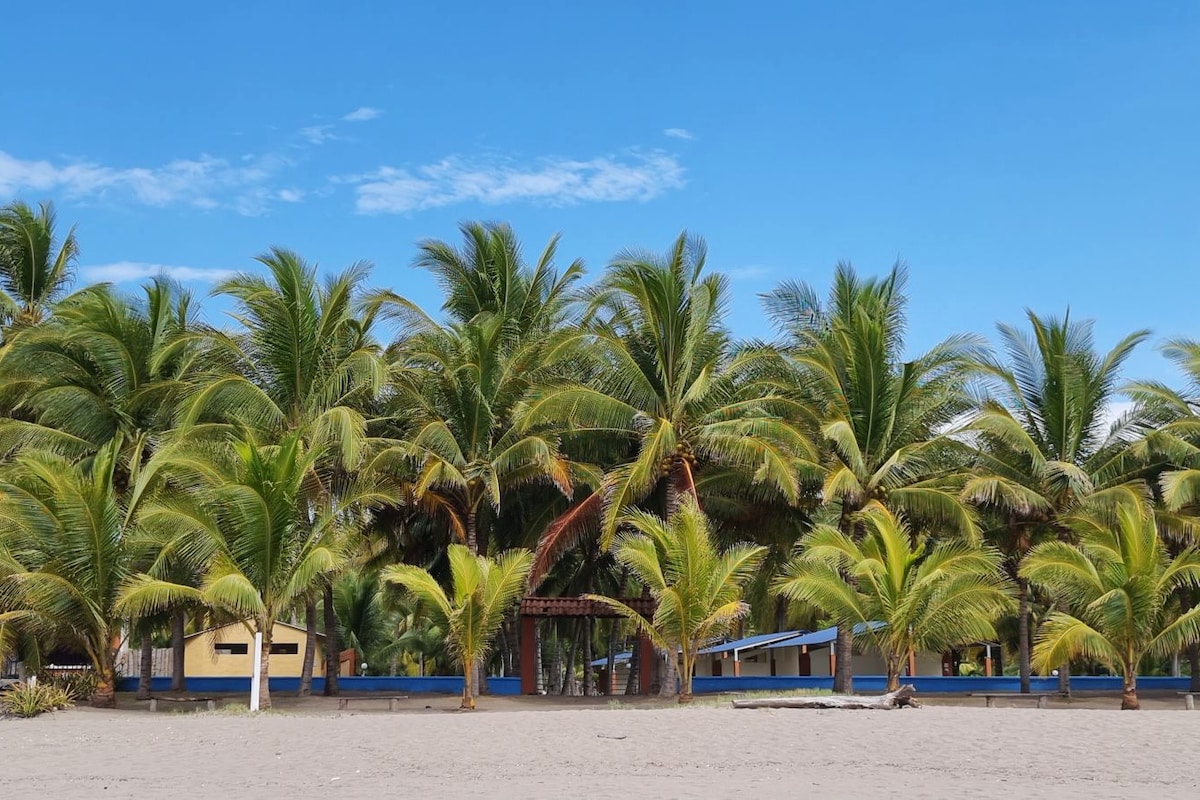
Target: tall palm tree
[(1048, 446), (1117, 583), (240, 514), (668, 382), (697, 588), (458, 386), (488, 275), (106, 366), (304, 362), (483, 591), (35, 268), (929, 596), (883, 421), (1172, 445), (67, 550)]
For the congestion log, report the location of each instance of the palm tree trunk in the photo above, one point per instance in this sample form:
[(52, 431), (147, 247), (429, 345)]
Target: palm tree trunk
[(843, 645), (264, 671), (686, 672), (310, 647), (610, 664), (1186, 601), (843, 655), (178, 630), (468, 697), (569, 673), (146, 667), (333, 647), (473, 532), (1129, 698), (1023, 647), (669, 686), (634, 682), (105, 694), (589, 631), (893, 672)]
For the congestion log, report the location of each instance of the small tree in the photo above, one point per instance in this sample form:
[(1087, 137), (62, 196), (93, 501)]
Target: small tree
[(928, 599), (65, 554), (239, 517), (1118, 583), (698, 589), (483, 590)]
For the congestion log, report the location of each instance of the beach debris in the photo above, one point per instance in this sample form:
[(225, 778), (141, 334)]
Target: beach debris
[(610, 735), (904, 697)]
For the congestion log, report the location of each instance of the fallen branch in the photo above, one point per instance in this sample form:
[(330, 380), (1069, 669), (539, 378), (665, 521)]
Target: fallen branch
[(901, 698)]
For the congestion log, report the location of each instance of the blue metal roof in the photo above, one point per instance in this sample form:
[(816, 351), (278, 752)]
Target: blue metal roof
[(749, 642), (617, 659), (825, 636)]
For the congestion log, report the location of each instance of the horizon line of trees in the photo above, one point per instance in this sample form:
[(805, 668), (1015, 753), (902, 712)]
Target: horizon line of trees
[(157, 472)]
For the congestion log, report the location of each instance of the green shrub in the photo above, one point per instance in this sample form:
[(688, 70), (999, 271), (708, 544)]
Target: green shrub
[(25, 700), (77, 684)]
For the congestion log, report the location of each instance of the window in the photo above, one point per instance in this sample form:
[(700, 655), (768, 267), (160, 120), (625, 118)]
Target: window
[(231, 649), (285, 649)]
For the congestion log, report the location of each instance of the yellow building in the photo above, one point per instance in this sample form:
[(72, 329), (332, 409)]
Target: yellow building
[(227, 651)]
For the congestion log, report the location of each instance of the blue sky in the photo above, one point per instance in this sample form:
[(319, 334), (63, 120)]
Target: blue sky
[(1014, 154)]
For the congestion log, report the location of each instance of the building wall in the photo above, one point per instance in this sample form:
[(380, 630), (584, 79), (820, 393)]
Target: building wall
[(202, 660)]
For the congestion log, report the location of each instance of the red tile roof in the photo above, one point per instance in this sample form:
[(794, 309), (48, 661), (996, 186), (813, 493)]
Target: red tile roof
[(581, 607)]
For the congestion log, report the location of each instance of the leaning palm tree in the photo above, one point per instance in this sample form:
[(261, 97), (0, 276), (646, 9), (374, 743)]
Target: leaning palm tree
[(239, 514), (697, 588), (67, 550), (483, 591), (35, 268), (1117, 585), (884, 422), (1047, 444), (928, 596)]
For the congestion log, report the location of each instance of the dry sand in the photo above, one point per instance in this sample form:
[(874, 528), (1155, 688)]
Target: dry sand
[(597, 752)]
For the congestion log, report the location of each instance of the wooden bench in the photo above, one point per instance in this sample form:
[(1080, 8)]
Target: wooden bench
[(1189, 700), (209, 702), (343, 702), (989, 698)]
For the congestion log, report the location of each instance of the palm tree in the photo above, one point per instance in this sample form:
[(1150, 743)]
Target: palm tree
[(67, 550), (483, 590), (1047, 445), (457, 386), (106, 366), (668, 382), (884, 422), (1173, 446), (239, 513), (488, 275), (696, 587), (929, 596), (1117, 584), (35, 268), (304, 363)]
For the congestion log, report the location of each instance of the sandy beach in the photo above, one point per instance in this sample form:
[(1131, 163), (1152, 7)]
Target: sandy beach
[(698, 752)]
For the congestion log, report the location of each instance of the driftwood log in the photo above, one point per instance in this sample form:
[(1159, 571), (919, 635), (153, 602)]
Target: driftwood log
[(901, 698)]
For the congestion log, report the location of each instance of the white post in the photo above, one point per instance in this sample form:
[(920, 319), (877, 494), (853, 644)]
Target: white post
[(256, 676)]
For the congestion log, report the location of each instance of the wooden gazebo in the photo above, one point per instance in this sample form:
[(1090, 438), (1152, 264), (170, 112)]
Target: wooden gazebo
[(535, 608)]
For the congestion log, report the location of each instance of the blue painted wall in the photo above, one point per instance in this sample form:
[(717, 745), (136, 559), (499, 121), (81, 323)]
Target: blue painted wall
[(427, 685), (930, 684)]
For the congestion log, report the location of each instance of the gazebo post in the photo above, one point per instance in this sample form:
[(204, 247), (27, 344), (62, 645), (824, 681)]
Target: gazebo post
[(528, 654), (646, 656)]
